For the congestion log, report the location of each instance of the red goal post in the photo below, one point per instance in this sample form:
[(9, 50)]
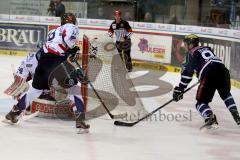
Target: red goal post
[(85, 51)]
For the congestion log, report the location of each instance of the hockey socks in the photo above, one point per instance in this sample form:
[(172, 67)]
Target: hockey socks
[(204, 110), (230, 104)]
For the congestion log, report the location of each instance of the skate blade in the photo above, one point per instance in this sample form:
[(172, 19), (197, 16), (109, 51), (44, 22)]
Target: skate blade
[(82, 131), (208, 128), (22, 118), (7, 122), (26, 113)]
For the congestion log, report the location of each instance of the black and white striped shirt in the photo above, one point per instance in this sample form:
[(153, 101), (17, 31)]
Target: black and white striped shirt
[(122, 30)]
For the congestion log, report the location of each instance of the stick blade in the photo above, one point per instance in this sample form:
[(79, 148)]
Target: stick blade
[(125, 124)]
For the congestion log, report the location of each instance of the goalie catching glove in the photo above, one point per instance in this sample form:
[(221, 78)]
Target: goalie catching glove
[(178, 93), (82, 77), (17, 87), (125, 44)]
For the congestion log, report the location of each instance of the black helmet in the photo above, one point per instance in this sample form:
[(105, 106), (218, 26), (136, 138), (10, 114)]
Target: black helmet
[(68, 18), (191, 39)]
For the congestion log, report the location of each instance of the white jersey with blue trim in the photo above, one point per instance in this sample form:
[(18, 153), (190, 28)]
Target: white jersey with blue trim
[(27, 66), (61, 39)]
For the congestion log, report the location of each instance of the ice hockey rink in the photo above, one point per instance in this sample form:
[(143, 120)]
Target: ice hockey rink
[(50, 139)]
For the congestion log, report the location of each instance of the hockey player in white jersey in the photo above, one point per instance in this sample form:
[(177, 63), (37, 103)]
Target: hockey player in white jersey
[(24, 73), (60, 45)]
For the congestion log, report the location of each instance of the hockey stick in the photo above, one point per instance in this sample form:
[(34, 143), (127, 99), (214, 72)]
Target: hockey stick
[(99, 97), (13, 70), (119, 123)]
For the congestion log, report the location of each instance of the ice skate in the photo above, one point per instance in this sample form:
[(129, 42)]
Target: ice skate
[(236, 117), (14, 114), (28, 110), (81, 126), (210, 123)]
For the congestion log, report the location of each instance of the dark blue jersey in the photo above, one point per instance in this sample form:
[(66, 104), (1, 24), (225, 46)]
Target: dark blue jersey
[(199, 61)]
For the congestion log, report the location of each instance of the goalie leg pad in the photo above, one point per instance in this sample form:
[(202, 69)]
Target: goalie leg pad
[(17, 87), (52, 109)]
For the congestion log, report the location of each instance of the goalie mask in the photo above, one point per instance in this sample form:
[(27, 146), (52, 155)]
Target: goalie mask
[(68, 18)]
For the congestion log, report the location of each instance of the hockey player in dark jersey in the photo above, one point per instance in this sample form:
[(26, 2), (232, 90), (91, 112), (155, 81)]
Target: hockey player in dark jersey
[(212, 74), (123, 32)]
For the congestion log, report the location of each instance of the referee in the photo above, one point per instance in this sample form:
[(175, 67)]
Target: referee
[(123, 32)]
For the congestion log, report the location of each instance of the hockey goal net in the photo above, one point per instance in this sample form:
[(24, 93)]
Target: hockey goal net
[(107, 73)]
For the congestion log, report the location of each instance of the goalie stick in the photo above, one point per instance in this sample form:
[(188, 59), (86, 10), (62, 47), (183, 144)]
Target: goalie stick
[(126, 124), (13, 70), (99, 97)]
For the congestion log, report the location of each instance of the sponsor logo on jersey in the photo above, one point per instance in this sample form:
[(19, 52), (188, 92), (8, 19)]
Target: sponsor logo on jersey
[(29, 65)]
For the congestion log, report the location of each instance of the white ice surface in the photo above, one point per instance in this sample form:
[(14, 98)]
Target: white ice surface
[(46, 139)]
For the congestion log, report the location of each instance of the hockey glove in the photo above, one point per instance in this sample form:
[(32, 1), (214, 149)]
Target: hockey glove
[(17, 87), (178, 93), (73, 53), (125, 45), (83, 79), (70, 82)]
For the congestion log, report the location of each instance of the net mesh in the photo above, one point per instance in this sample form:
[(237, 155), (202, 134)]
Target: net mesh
[(107, 73)]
